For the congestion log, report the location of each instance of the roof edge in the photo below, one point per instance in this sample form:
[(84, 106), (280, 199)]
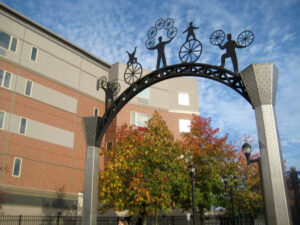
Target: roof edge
[(52, 34)]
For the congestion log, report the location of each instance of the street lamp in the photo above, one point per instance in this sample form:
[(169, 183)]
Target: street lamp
[(227, 180), (294, 182), (192, 173), (246, 148)]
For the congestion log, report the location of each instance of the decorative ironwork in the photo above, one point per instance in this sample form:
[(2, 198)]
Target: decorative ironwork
[(168, 25), (191, 50), (244, 39), (216, 73), (134, 69), (111, 89)]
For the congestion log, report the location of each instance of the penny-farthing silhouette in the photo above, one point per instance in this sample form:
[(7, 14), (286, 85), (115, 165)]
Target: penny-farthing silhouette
[(133, 72)]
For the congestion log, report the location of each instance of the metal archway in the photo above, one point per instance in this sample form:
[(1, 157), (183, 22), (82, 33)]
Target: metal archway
[(258, 79), (212, 72)]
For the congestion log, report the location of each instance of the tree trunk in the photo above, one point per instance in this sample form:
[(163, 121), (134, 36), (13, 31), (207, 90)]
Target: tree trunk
[(156, 218)]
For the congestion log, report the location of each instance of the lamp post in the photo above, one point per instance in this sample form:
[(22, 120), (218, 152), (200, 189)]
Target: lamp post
[(228, 184), (295, 183), (192, 173), (246, 148)]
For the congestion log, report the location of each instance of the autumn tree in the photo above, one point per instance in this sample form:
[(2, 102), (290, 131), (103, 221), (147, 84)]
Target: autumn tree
[(145, 172), (214, 158)]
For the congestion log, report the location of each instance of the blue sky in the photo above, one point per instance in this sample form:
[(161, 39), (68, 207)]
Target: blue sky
[(108, 28)]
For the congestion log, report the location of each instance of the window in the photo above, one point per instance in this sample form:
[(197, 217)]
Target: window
[(139, 119), (108, 145), (183, 99), (17, 167), (23, 126), (28, 88), (184, 126), (1, 119), (96, 111), (144, 96), (34, 54), (8, 42), (5, 78)]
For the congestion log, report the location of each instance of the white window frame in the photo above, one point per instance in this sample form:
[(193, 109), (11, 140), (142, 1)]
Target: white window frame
[(26, 124), (182, 98), (107, 144), (36, 56), (3, 80), (30, 94), (184, 128), (136, 119), (20, 169), (2, 125), (10, 43), (95, 108)]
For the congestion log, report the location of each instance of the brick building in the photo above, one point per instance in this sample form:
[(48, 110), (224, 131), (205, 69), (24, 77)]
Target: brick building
[(47, 85)]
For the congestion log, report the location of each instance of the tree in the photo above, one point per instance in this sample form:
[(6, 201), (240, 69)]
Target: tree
[(145, 172), (214, 157)]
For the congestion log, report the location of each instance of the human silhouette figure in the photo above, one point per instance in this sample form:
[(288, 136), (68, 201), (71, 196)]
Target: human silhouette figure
[(109, 94), (190, 31), (161, 51), (131, 59), (230, 46)]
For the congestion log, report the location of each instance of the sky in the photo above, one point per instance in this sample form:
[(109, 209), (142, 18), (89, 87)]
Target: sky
[(108, 29)]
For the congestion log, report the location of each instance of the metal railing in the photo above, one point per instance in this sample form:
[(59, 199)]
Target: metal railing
[(103, 220)]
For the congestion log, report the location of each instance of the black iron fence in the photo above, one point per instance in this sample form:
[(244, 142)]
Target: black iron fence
[(102, 220)]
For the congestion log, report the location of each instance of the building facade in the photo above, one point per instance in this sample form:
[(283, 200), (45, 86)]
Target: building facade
[(47, 85)]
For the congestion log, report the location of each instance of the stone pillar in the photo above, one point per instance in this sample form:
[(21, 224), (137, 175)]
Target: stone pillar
[(90, 196), (261, 83)]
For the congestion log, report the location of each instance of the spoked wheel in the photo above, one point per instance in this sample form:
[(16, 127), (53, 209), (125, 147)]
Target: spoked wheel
[(132, 73), (169, 23), (172, 32), (151, 32), (217, 37), (159, 23), (150, 42), (245, 38), (190, 51)]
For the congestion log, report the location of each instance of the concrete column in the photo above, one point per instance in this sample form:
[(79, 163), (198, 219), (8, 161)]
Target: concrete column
[(261, 83), (90, 196)]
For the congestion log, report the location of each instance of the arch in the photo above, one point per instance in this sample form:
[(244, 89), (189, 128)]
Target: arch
[(216, 73)]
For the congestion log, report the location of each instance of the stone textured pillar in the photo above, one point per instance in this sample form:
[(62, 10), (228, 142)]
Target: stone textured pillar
[(261, 83), (90, 196)]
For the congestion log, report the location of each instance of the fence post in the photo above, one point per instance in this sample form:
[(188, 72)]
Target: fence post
[(58, 215), (20, 219)]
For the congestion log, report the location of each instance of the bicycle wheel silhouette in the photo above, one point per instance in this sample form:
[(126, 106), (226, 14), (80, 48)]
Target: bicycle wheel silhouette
[(190, 51), (151, 32), (169, 23), (132, 73), (245, 38), (150, 42), (217, 37), (172, 32), (159, 23)]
